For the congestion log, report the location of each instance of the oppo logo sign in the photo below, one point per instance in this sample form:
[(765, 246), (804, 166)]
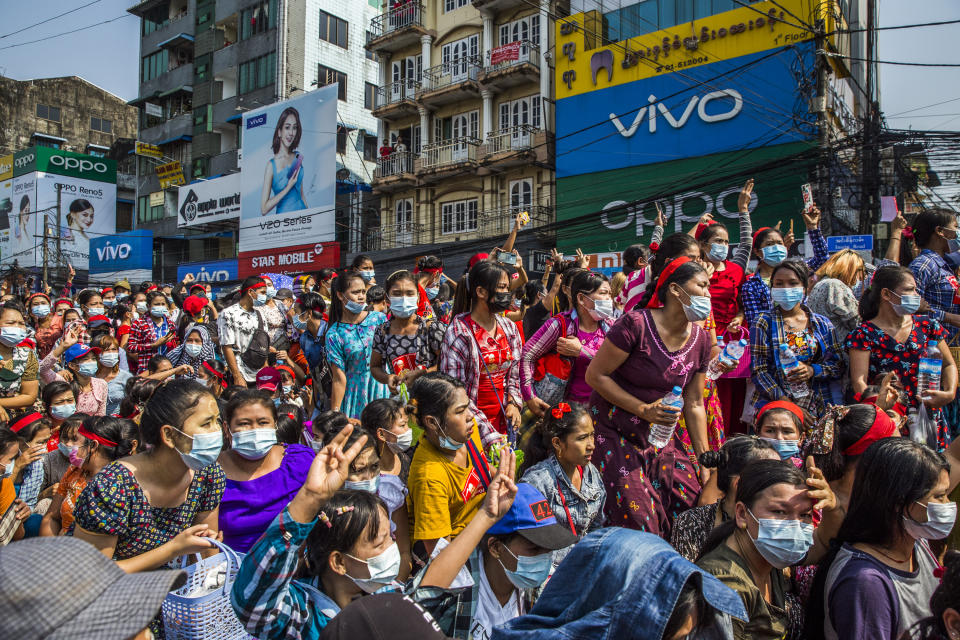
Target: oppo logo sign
[(78, 164), (697, 103), (117, 252), (23, 161)]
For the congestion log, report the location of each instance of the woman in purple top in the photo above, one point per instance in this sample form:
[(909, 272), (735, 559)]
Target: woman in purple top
[(262, 476), (575, 335), (645, 355)]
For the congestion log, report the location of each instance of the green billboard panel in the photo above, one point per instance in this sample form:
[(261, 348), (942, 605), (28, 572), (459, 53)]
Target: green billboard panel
[(610, 210)]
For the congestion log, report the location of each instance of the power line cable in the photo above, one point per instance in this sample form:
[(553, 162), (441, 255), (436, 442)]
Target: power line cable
[(65, 33), (51, 19)]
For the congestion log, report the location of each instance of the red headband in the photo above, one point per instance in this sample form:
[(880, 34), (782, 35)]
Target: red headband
[(758, 232), (106, 290), (883, 427), (256, 286), (152, 287), (897, 407), (655, 302), (25, 420), (431, 270), (703, 227), (65, 300), (781, 404), (92, 436), (215, 374), (38, 294)]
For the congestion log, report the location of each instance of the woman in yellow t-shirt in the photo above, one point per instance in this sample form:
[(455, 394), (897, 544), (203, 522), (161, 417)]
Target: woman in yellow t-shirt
[(9, 451), (446, 485)]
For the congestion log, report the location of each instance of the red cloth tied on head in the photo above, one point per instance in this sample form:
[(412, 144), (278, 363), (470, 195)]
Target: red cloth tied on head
[(655, 301), (430, 270), (30, 418), (703, 227), (477, 257), (216, 374), (256, 286), (883, 427), (781, 404), (758, 232), (89, 435)]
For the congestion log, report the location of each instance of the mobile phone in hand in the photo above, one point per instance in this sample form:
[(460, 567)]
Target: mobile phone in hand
[(807, 192), (507, 258)]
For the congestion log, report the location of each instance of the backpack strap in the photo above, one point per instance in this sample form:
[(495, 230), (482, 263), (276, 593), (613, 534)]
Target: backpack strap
[(479, 463)]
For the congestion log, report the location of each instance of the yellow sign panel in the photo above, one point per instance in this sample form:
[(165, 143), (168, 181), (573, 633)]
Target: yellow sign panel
[(582, 66), (6, 167), (170, 175), (156, 199), (149, 150)]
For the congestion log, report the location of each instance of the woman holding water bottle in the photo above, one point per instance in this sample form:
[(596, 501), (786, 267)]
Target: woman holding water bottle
[(794, 352), (892, 338), (645, 356)]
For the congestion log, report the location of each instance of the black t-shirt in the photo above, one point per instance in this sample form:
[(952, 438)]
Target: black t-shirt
[(533, 319)]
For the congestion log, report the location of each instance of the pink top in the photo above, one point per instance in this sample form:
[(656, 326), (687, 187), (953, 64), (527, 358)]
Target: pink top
[(633, 290), (579, 390), (93, 402)]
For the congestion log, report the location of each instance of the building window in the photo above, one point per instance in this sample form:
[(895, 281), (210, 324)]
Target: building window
[(155, 19), (154, 65), (369, 95), (146, 213), (450, 5), (370, 54), (370, 148), (258, 73), (527, 28), (342, 135), (48, 113), (333, 29), (101, 124), (259, 18), (327, 76), (521, 112), (459, 216)]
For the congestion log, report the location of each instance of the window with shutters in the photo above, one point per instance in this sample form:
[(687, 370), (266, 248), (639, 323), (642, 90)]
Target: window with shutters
[(522, 111), (526, 28), (451, 5), (459, 216), (327, 76)]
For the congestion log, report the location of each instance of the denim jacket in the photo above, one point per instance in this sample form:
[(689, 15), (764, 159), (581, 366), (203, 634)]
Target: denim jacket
[(585, 506), (619, 583)]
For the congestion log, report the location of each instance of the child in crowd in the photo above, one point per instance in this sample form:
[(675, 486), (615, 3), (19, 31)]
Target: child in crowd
[(781, 424)]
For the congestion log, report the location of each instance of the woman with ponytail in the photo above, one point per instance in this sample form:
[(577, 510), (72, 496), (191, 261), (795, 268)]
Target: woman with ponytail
[(892, 337), (693, 526), (647, 354)]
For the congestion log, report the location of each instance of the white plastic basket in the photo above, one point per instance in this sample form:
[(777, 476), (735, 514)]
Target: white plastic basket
[(197, 611)]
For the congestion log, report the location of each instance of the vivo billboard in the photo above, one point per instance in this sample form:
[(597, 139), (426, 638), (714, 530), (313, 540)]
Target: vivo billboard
[(124, 255)]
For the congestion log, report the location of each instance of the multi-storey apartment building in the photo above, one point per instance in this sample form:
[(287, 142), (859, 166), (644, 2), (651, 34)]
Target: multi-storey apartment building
[(465, 108), (205, 62)]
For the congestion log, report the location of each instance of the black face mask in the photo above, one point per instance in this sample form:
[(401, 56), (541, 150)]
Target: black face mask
[(499, 302)]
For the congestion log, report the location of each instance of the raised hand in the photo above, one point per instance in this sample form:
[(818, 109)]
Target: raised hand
[(502, 489), (661, 220), (820, 492), (743, 200), (331, 466), (811, 218)]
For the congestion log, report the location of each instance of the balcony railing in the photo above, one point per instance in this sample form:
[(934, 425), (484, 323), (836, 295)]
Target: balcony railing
[(518, 138), (449, 152), (396, 92), (401, 16), (512, 55), (500, 221), (450, 73), (403, 234), (394, 165)]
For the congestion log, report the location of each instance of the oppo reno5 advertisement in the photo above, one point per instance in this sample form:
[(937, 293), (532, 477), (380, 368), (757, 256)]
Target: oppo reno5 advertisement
[(289, 167)]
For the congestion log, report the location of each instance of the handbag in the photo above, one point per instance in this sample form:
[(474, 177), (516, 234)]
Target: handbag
[(201, 609), (254, 357), (742, 370), (552, 374)]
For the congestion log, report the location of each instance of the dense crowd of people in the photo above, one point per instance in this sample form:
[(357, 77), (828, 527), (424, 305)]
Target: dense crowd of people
[(717, 442)]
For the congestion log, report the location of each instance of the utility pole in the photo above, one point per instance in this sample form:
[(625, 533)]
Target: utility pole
[(46, 262), (869, 199), (824, 194), (59, 232)]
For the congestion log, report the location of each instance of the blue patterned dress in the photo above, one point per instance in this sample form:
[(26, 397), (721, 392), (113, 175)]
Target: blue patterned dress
[(349, 347)]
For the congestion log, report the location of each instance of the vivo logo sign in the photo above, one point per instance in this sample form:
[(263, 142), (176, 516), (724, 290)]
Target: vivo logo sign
[(220, 275), (256, 121), (697, 103), (78, 164), (116, 252)]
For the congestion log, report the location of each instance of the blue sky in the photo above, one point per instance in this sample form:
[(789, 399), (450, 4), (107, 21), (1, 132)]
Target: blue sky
[(107, 55)]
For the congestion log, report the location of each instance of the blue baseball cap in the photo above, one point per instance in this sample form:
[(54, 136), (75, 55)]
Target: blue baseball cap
[(531, 517), (75, 351)]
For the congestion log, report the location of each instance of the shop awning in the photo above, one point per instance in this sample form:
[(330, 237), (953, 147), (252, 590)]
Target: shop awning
[(37, 134), (177, 40), (185, 88), (177, 139)]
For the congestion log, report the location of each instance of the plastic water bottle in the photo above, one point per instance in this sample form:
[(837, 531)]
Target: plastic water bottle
[(928, 375), (729, 355), (660, 434), (789, 362)]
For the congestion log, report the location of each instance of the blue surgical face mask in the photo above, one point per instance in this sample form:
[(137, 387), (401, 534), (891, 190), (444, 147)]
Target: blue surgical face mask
[(367, 275), (271, 292), (718, 252), (447, 443), (370, 485), (287, 389), (109, 304), (41, 310), (432, 292), (88, 368), (403, 306), (12, 336), (774, 254), (141, 307), (63, 411), (532, 571), (260, 300), (298, 324), (94, 311), (253, 444), (782, 543), (785, 448), (158, 311), (787, 297), (698, 309), (909, 305), (65, 450), (110, 359), (354, 307), (206, 448), (193, 349)]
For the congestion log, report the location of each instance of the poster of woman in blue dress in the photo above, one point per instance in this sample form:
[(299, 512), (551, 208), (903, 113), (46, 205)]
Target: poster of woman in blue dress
[(283, 176)]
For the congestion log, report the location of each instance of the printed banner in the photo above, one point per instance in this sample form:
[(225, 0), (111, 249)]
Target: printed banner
[(505, 53), (296, 259), (209, 201)]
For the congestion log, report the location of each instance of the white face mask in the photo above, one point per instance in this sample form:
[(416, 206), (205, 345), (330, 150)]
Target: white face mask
[(404, 441), (383, 568), (940, 519)]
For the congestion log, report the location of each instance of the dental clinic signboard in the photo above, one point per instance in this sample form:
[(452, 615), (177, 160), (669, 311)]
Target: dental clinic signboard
[(87, 188), (122, 256)]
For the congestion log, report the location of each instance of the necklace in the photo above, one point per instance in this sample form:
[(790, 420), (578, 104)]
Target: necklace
[(888, 556)]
